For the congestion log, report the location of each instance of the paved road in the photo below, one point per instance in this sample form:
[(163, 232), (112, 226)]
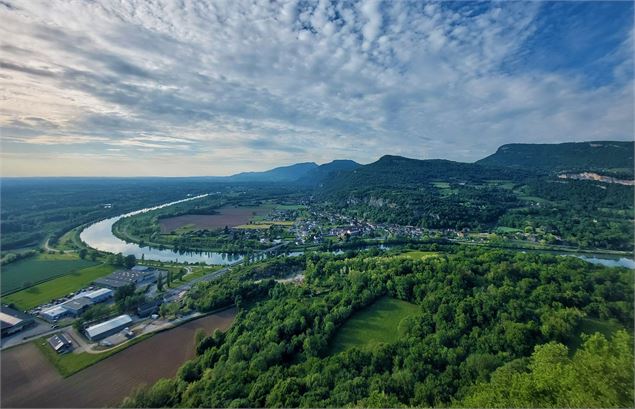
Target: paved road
[(40, 329)]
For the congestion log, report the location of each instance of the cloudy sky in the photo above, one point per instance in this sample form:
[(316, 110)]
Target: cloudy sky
[(212, 88)]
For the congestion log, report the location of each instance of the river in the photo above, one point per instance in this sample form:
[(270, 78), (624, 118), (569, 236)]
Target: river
[(100, 237)]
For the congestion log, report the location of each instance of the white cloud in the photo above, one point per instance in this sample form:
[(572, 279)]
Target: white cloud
[(249, 85)]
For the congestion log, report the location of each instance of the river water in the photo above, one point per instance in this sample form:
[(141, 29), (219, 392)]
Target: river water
[(99, 236)]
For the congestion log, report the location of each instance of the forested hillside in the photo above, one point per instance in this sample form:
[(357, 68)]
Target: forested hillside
[(488, 322), (396, 172), (609, 157), (318, 175)]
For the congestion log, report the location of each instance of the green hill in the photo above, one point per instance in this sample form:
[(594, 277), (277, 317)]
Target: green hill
[(396, 171), (318, 175), (609, 157), (279, 174)]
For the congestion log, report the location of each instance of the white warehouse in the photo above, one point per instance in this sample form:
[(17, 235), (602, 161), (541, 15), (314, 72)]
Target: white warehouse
[(107, 328)]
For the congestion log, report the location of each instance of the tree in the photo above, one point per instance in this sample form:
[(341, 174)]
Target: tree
[(600, 374), (130, 261), (160, 282), (83, 253)]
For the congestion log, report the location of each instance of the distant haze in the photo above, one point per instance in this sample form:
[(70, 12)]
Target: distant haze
[(180, 88)]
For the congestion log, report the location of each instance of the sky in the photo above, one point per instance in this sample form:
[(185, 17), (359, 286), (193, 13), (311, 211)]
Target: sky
[(180, 88)]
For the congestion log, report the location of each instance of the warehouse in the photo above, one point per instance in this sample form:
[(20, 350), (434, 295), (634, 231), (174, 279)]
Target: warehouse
[(60, 343), (99, 295), (107, 328), (96, 296), (77, 306), (126, 277), (55, 313), (13, 321)]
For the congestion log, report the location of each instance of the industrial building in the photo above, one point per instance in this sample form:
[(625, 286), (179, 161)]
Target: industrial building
[(138, 275), (108, 328), (55, 313), (96, 296), (148, 308), (13, 321), (77, 306), (60, 343), (99, 295)]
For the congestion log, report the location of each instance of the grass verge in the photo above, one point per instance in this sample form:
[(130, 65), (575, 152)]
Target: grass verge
[(69, 364)]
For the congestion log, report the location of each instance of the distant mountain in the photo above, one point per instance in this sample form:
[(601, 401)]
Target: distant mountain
[(395, 171), (317, 175), (611, 157), (281, 174)]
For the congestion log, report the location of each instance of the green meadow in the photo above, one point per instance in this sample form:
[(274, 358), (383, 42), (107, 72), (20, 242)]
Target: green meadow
[(377, 323), (24, 273), (57, 287)]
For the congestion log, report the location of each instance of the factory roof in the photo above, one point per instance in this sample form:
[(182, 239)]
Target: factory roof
[(105, 326), (56, 310), (77, 303)]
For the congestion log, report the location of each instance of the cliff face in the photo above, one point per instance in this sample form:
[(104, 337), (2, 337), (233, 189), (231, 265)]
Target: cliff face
[(597, 177)]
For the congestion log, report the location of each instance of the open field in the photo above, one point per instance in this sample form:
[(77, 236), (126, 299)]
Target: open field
[(57, 287), (419, 255), (107, 382), (32, 270), (227, 216), (264, 225), (376, 323)]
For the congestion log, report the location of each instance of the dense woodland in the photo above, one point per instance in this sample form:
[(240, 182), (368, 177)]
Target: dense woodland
[(608, 157), (490, 323)]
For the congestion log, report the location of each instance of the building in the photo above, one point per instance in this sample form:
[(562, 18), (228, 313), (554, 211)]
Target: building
[(138, 275), (13, 321), (60, 343), (97, 296), (76, 306), (55, 313), (149, 308), (108, 328)]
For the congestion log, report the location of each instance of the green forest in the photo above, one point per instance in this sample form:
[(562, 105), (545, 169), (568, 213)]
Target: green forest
[(491, 328)]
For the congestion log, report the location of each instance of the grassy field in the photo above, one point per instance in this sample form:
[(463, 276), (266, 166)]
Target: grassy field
[(264, 225), (377, 323), (197, 272), (57, 287), (418, 255), (68, 364), (503, 229), (24, 273)]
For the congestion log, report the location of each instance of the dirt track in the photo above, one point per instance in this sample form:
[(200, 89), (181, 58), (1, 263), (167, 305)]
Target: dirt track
[(29, 379)]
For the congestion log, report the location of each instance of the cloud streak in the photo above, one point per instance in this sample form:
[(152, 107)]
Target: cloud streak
[(238, 85)]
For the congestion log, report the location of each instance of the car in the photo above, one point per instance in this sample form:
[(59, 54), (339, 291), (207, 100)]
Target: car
[(55, 326)]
